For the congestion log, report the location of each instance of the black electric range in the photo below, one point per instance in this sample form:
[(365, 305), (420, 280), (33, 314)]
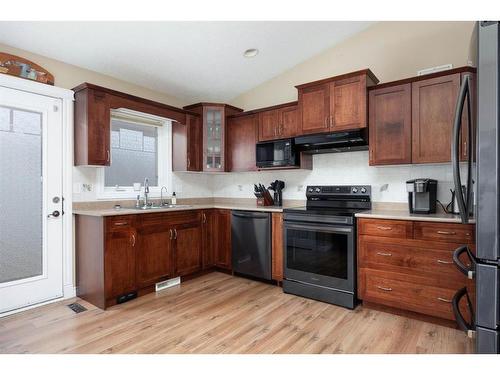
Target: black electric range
[(320, 243)]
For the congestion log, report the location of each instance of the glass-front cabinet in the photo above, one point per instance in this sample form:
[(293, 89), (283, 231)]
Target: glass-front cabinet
[(213, 136), (214, 133)]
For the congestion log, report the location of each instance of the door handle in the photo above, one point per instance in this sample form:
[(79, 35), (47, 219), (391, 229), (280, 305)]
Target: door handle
[(469, 271), (384, 254), (384, 228), (446, 232), (444, 300), (171, 234), (175, 234), (54, 214), (108, 156), (465, 326), (204, 216), (133, 239)]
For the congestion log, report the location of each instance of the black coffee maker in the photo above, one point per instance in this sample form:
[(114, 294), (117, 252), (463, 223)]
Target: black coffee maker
[(422, 195)]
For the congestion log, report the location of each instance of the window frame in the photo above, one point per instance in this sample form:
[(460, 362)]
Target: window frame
[(165, 177)]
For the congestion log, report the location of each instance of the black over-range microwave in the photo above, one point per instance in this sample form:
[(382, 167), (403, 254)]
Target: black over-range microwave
[(278, 153)]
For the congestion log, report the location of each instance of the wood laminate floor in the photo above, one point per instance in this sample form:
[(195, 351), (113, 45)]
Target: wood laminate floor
[(219, 313)]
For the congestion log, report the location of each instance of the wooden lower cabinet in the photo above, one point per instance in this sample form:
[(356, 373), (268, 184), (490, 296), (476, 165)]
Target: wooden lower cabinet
[(120, 262), (154, 254), (208, 238), (222, 241), (120, 255), (408, 270), (277, 247), (187, 248)]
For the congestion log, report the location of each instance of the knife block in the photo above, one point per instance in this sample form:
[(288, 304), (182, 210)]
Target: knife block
[(264, 202)]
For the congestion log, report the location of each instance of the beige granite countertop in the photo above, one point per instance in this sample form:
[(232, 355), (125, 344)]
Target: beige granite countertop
[(106, 208), (396, 211)]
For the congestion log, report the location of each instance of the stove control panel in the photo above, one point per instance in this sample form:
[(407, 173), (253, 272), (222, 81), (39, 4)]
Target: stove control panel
[(347, 190)]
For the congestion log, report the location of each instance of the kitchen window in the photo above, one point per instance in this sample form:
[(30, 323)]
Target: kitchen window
[(140, 148)]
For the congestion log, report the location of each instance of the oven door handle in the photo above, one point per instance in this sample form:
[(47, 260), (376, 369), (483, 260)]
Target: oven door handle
[(324, 228)]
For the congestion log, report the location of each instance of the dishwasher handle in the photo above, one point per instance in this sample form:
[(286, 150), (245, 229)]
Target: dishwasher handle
[(251, 215)]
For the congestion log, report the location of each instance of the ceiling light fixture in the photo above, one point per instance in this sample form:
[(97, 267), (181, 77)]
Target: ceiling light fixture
[(251, 52)]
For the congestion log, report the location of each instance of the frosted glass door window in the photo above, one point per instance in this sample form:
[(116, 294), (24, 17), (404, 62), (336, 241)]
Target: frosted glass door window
[(134, 154), (21, 247)]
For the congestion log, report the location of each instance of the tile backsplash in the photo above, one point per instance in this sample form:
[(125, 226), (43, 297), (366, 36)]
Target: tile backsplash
[(388, 182)]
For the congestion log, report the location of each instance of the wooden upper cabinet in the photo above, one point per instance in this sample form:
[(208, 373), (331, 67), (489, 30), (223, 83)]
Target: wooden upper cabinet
[(186, 145), (335, 104), (92, 128), (433, 109), (289, 120), (268, 125), (314, 109), (348, 103), (213, 134), (242, 136), (390, 125)]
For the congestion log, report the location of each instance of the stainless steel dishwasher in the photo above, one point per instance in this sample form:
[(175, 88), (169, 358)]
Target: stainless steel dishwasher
[(251, 243)]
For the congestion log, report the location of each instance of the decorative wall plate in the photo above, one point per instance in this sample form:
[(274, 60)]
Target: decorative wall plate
[(19, 67)]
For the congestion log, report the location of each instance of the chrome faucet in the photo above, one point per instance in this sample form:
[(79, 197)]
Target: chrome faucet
[(146, 192)]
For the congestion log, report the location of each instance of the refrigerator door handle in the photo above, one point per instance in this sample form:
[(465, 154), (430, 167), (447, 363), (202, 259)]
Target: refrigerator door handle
[(463, 202), (465, 326), (469, 271)]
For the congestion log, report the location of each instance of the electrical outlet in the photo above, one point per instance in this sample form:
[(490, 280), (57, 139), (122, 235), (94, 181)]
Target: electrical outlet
[(86, 188)]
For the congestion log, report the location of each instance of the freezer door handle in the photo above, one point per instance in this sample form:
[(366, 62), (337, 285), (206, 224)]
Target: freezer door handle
[(469, 271), (464, 325)]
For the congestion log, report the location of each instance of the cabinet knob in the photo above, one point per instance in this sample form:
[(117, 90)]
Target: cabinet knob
[(132, 238)]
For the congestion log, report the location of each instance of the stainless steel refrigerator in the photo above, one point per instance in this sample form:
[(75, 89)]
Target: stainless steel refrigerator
[(483, 267)]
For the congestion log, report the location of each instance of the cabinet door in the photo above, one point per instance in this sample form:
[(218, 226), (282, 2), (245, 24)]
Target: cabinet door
[(242, 137), (154, 254), (194, 141), (208, 238), (268, 125), (433, 108), (277, 249), (92, 128), (187, 251), (223, 239), (213, 139), (390, 125), (288, 122), (119, 262), (314, 109), (348, 103)]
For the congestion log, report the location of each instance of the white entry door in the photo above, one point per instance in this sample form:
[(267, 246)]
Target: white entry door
[(31, 204)]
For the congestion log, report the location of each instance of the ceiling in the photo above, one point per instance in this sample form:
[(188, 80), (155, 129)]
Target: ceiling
[(194, 61)]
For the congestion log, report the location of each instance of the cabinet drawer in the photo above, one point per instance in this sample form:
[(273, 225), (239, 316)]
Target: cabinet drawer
[(385, 228), (456, 233), (396, 290), (417, 258), (119, 222)]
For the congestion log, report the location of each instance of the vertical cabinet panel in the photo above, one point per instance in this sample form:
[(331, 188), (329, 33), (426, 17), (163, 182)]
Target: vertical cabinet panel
[(348, 103), (223, 239), (154, 254), (208, 238), (213, 139), (390, 125), (241, 140), (277, 246), (314, 109), (119, 262), (187, 253), (433, 108)]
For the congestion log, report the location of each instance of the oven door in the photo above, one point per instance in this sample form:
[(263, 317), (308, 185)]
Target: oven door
[(320, 254)]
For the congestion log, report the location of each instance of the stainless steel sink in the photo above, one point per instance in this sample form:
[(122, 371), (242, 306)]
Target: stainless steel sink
[(165, 206)]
